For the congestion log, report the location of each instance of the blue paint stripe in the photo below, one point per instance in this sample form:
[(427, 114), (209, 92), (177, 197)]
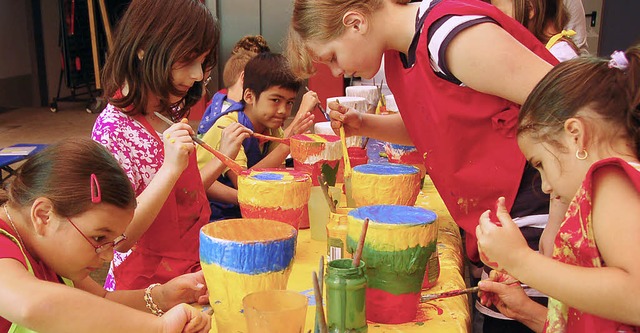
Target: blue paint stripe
[(394, 214), (248, 258), (402, 147), (268, 176), (386, 169)]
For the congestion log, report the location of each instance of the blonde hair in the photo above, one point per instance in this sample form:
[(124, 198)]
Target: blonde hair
[(235, 66), (321, 21)]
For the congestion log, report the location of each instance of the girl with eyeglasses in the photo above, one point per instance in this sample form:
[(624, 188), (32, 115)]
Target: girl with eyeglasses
[(61, 216)]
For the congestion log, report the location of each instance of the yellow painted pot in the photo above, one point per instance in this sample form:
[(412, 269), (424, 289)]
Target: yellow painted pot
[(241, 256), (385, 184)]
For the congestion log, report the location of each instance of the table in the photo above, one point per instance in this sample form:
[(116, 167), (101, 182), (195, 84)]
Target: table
[(7, 160), (441, 315)]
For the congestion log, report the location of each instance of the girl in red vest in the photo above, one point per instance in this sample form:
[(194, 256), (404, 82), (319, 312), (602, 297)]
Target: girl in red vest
[(584, 139), (459, 70), (61, 216), (160, 52)]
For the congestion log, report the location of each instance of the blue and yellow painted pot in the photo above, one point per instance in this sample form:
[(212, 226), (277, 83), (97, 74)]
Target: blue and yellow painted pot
[(399, 242), (241, 256)]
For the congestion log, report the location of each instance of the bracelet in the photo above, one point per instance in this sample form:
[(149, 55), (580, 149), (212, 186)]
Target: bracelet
[(151, 305)]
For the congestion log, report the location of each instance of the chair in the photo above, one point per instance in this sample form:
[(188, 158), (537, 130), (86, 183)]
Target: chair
[(14, 154)]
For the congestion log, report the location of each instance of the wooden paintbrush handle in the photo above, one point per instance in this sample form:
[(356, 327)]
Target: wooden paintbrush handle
[(285, 141), (363, 234), (321, 321), (231, 164)]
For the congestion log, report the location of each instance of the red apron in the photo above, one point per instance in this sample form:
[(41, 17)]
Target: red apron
[(467, 137), (170, 247)]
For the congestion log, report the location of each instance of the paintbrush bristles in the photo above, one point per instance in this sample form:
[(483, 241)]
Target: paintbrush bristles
[(324, 112), (363, 234)]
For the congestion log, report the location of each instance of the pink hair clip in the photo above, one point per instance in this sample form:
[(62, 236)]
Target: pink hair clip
[(618, 60), (96, 195)]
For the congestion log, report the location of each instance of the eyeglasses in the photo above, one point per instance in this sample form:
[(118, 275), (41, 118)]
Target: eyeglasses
[(103, 247)]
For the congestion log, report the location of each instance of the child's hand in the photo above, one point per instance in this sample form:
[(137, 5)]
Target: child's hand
[(231, 139), (178, 144), (187, 288), (341, 115), (303, 120), (187, 319), (500, 243), (503, 291)]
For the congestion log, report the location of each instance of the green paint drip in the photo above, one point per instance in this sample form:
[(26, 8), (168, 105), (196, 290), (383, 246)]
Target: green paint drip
[(383, 267)]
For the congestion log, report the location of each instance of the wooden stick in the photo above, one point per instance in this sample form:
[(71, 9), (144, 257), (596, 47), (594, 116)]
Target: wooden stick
[(320, 281), (364, 143), (321, 270), (325, 190), (320, 320), (259, 136), (363, 234), (94, 43), (319, 105), (231, 164), (451, 293), (106, 24)]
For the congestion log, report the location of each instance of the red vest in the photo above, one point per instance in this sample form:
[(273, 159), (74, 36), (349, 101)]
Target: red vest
[(467, 137), (170, 247)]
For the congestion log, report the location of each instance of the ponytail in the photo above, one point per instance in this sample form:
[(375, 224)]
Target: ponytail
[(610, 87)]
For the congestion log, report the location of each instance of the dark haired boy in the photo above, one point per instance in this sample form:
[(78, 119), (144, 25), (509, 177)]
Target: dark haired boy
[(269, 91)]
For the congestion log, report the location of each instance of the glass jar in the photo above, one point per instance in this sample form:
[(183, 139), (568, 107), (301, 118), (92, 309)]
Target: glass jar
[(345, 291)]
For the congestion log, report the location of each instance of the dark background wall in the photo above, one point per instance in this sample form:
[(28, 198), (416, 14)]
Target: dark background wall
[(30, 56)]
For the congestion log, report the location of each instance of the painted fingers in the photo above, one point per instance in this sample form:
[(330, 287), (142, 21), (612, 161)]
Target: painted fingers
[(341, 115), (500, 241)]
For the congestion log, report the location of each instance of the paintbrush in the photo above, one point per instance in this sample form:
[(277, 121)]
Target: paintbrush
[(364, 143), (363, 234), (321, 322), (263, 137), (325, 190), (320, 281), (451, 293), (347, 168), (231, 164), (324, 112)]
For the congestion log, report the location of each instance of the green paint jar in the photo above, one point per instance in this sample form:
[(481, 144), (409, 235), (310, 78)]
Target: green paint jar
[(345, 290)]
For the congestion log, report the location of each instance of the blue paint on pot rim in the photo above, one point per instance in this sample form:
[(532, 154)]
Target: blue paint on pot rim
[(394, 214)]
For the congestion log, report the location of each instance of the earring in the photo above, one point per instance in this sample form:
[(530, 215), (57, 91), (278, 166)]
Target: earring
[(582, 154)]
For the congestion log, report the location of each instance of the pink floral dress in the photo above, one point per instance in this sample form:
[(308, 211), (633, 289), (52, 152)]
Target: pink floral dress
[(575, 244), (170, 246)]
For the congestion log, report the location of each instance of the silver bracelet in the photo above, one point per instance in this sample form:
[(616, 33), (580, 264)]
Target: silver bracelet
[(148, 299)]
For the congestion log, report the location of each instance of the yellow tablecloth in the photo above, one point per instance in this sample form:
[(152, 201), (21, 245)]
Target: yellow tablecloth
[(442, 315)]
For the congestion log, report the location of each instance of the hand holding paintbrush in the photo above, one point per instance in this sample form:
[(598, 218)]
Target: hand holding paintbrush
[(319, 105), (262, 137), (452, 293), (231, 164)]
